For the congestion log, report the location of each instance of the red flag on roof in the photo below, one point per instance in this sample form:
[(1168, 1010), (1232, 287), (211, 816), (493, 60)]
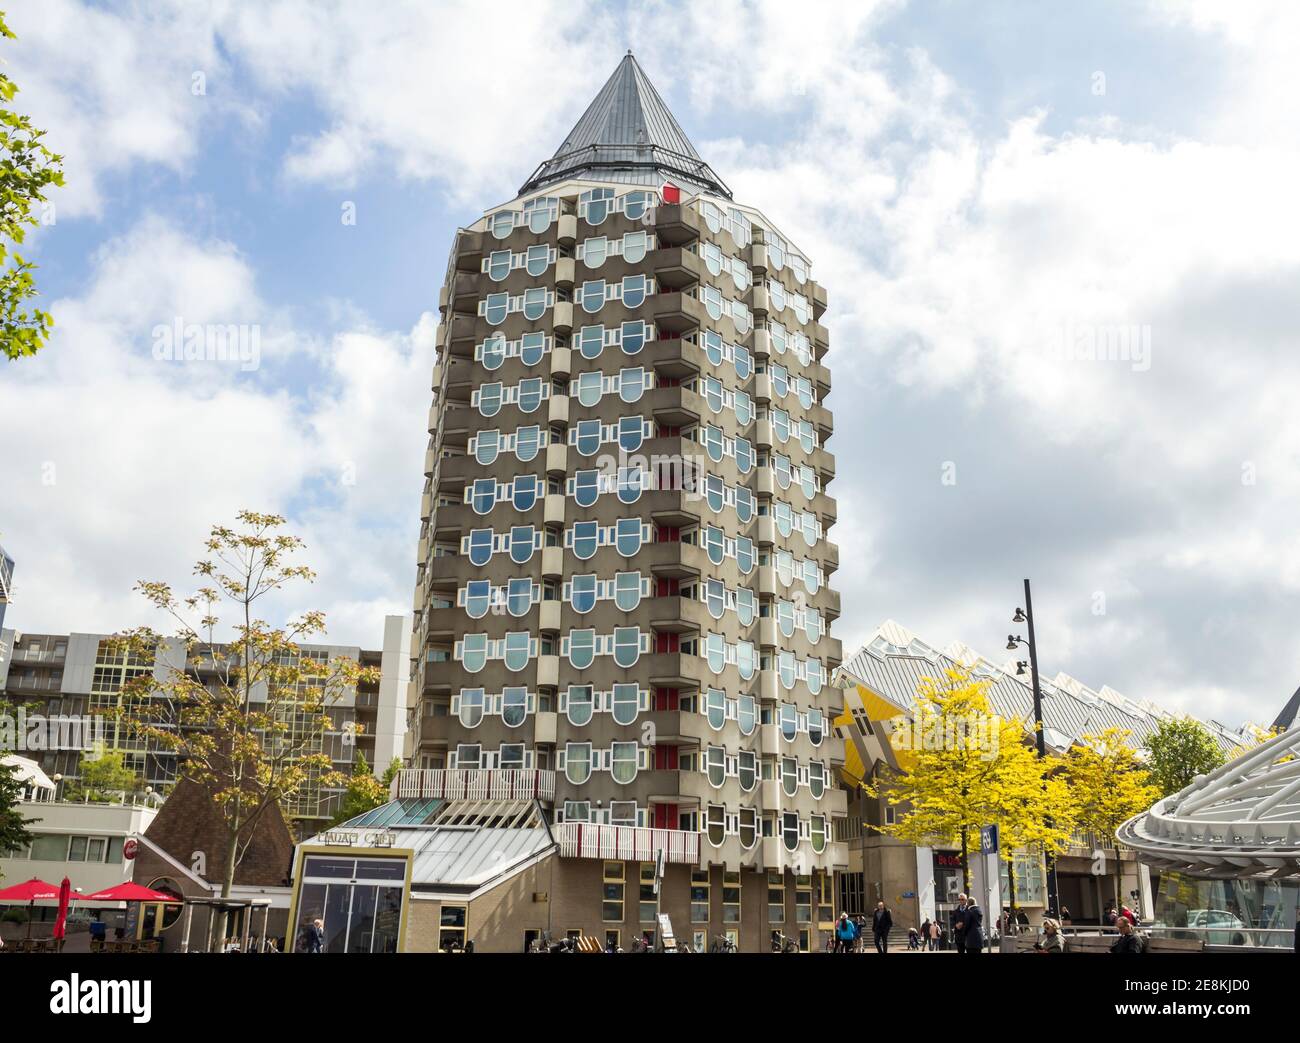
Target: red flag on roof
[(671, 193)]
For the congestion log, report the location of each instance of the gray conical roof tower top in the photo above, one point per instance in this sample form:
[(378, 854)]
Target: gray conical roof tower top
[(628, 135)]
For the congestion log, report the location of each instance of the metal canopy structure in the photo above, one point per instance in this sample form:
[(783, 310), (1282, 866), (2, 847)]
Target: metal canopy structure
[(1241, 820), (628, 135)]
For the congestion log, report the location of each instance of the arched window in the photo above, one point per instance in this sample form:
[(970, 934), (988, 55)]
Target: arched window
[(471, 707), (577, 762)]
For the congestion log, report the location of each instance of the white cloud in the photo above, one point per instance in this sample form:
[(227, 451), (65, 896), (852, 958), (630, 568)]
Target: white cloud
[(123, 462), (461, 93), (113, 89)]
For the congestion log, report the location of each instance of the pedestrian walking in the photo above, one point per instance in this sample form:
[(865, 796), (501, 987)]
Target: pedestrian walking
[(972, 928), (936, 935), (314, 936), (957, 924), (845, 933), (882, 922)]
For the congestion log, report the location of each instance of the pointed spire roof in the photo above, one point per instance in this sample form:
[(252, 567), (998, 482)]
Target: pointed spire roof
[(628, 135)]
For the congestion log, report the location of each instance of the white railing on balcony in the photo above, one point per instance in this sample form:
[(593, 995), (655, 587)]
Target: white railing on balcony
[(474, 784), (626, 843)]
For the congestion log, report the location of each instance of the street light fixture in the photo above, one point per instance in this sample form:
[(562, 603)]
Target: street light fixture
[(1026, 615)]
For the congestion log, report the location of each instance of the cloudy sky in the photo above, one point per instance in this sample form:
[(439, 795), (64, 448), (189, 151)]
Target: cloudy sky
[(986, 192)]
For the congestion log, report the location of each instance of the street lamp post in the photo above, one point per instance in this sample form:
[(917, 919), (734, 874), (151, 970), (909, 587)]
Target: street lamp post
[(1026, 616)]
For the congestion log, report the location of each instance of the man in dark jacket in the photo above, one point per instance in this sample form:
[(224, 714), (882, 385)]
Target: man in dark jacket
[(973, 923), (1130, 940), (957, 924), (881, 923)]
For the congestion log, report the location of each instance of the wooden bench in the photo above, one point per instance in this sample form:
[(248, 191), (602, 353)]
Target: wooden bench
[(1101, 943)]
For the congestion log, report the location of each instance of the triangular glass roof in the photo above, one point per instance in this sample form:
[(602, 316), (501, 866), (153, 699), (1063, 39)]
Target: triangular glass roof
[(628, 135)]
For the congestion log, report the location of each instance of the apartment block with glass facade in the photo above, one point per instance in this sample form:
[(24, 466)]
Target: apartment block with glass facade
[(78, 678), (623, 605)]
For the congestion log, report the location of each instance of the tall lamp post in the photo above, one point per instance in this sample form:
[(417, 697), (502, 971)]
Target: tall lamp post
[(1026, 616)]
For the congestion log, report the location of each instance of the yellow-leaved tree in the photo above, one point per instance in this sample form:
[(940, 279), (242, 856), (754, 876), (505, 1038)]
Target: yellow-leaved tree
[(967, 767), (1107, 785)]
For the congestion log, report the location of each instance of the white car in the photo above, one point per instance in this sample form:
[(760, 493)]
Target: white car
[(1220, 927)]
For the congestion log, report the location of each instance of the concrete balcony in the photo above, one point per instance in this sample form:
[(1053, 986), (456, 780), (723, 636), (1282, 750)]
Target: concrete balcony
[(675, 358), (544, 728), (552, 562), (473, 784), (557, 459), (675, 224), (466, 289), (769, 794), (817, 294), (675, 268), (557, 410), (676, 313), (548, 621), (567, 229), (626, 843), (470, 250), (554, 512), (761, 343), (561, 363), (678, 727), (564, 273), (769, 739), (820, 375), (758, 303), (675, 406), (755, 256), (821, 338), (762, 387), (548, 671), (562, 318)]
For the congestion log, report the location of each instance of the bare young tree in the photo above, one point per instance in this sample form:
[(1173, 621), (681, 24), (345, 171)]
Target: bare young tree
[(246, 718)]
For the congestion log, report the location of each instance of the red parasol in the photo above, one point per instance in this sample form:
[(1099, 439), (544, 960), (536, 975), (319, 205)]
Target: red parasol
[(131, 892), (30, 891), (33, 890), (61, 921)]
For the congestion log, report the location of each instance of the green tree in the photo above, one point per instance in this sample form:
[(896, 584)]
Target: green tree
[(104, 779), (1180, 749), (27, 169), (13, 826), (247, 718), (1107, 786), (364, 792)]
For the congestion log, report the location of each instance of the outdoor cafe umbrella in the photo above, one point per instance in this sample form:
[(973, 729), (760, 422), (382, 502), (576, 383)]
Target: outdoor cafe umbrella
[(61, 921), (30, 891), (130, 891)]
